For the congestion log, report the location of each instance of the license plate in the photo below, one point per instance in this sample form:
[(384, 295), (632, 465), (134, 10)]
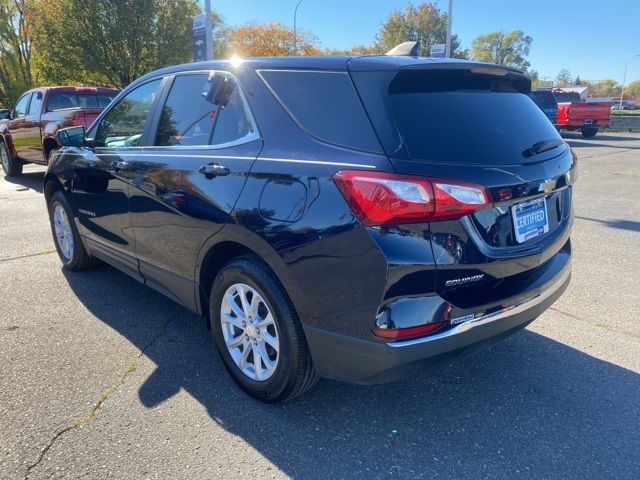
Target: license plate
[(530, 219), (588, 122)]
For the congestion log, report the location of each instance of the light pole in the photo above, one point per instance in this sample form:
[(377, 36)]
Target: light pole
[(208, 30), (624, 79), (295, 28), (447, 48)]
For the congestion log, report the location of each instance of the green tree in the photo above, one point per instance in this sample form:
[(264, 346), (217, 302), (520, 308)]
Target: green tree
[(632, 90), (16, 70), (503, 48), (424, 23), (563, 78), (110, 41), (607, 87)]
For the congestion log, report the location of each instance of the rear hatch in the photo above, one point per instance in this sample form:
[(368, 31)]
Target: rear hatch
[(477, 124)]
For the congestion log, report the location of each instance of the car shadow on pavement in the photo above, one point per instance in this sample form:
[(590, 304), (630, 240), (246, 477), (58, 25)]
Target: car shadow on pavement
[(631, 225), (530, 407), (28, 180), (602, 136)]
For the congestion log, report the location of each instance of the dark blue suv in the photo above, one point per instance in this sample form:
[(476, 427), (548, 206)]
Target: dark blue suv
[(343, 217)]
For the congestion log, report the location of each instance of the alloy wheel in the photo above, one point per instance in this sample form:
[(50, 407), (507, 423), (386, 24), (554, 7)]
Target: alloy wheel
[(250, 332), (64, 234)]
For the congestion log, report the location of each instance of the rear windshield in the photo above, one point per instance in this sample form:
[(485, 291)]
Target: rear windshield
[(60, 100), (545, 97), (479, 122), (567, 96)]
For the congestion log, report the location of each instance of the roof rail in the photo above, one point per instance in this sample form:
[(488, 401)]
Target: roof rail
[(406, 49)]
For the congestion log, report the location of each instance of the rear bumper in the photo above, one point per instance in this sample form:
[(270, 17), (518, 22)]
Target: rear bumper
[(580, 123), (357, 360)]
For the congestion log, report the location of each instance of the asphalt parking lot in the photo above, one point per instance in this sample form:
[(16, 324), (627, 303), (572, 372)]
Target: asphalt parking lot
[(101, 377)]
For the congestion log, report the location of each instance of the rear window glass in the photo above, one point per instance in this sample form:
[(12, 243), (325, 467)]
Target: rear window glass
[(326, 105), (545, 97), (61, 100), (566, 96), (482, 122)]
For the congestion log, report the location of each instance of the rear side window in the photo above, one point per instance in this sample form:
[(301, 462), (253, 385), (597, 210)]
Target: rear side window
[(326, 105), (483, 121), (36, 103)]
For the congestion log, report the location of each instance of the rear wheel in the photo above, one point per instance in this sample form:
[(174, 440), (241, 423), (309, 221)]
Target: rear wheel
[(258, 334), (12, 166), (589, 132), (65, 234)]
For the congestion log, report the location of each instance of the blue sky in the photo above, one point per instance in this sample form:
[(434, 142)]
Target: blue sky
[(590, 38)]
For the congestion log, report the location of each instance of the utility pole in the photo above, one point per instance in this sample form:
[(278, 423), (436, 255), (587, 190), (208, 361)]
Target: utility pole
[(624, 79), (295, 28), (208, 29), (447, 52)]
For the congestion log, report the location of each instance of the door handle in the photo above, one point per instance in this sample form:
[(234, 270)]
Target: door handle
[(214, 170), (117, 166)]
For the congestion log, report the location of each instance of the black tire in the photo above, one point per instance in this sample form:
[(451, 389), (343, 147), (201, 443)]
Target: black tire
[(12, 166), (294, 373), (589, 132), (79, 258)]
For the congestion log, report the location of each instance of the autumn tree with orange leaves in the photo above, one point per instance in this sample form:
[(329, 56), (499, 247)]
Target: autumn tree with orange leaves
[(269, 39)]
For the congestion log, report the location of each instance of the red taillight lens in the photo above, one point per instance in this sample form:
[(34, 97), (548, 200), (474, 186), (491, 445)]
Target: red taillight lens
[(78, 119), (382, 198), (398, 333)]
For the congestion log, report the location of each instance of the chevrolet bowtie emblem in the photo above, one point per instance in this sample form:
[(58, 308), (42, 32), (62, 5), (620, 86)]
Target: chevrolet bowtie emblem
[(548, 185)]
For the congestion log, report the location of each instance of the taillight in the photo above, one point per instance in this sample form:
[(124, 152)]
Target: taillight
[(78, 119), (382, 198)]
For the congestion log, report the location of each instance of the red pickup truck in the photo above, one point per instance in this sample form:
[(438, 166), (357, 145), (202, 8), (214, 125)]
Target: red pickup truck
[(575, 114), (28, 136)]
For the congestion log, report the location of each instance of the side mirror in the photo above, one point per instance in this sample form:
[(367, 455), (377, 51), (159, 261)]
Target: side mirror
[(70, 137)]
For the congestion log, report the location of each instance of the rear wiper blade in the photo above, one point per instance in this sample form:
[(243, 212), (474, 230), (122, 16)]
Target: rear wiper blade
[(542, 146)]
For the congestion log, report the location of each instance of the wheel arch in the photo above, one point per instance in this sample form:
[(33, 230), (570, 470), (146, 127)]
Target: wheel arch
[(231, 242), (48, 145), (51, 185)]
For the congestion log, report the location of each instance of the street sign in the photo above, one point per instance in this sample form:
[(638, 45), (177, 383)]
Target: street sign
[(199, 38), (438, 50)]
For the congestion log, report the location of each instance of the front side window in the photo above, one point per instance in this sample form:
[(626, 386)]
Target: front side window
[(122, 126), (20, 110), (189, 119)]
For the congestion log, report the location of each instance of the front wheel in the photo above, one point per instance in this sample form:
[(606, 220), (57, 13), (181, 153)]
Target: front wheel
[(258, 334), (12, 166), (589, 132), (65, 234)]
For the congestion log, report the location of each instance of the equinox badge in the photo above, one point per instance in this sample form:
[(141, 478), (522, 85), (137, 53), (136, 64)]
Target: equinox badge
[(464, 280)]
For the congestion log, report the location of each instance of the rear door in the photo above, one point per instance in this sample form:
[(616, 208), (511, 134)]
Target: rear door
[(480, 128), (187, 180)]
